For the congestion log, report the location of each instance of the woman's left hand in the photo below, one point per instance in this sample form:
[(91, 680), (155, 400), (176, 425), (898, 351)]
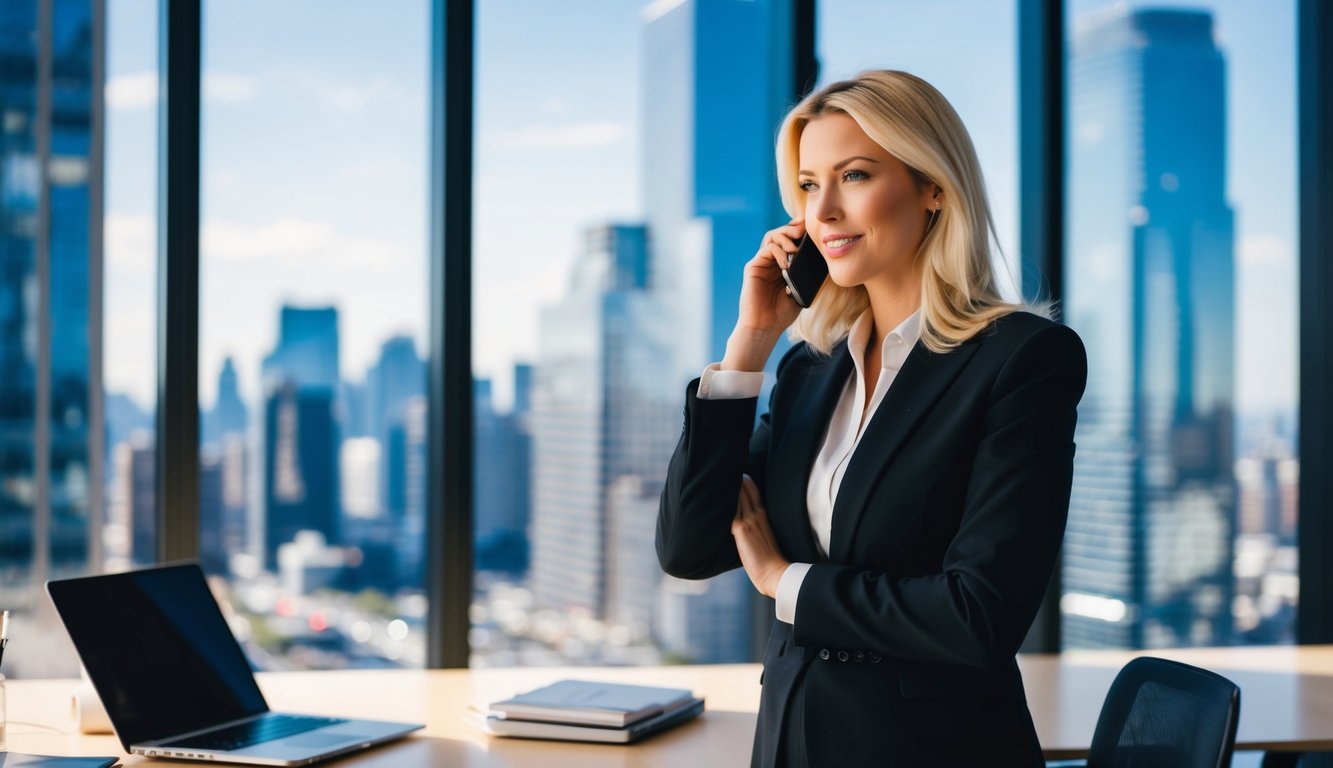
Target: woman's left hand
[(763, 561)]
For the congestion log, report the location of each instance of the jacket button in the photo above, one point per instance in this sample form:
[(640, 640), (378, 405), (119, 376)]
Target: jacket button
[(823, 654), (843, 656), (874, 657), (860, 656)]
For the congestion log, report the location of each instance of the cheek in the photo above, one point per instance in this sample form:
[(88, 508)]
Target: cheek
[(892, 209)]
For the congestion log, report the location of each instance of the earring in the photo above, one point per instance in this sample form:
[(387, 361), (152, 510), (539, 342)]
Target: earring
[(934, 214)]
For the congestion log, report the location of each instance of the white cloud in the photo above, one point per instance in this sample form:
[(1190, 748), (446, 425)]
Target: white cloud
[(293, 243), (129, 242), (1258, 250), (578, 136), (224, 88), (132, 91)]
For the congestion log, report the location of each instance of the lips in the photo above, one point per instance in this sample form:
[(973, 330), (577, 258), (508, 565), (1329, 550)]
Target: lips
[(839, 243)]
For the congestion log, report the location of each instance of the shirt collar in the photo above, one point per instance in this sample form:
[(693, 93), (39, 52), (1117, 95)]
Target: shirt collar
[(893, 349)]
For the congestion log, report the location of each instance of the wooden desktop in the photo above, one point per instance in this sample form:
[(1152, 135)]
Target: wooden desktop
[(1286, 705)]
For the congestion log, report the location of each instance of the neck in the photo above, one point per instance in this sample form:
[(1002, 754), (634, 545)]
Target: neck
[(893, 301)]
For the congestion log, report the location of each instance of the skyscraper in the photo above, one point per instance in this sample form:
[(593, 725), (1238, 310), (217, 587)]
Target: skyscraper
[(301, 471), (503, 482), (50, 252), (600, 409), (718, 79), (307, 350), (229, 414), (1150, 287), (710, 114), (301, 435), (398, 377)]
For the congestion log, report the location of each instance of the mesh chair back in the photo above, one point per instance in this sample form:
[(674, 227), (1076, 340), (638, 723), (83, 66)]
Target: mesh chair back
[(1164, 713)]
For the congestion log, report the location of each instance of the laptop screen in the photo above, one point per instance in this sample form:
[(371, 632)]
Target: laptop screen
[(158, 651)]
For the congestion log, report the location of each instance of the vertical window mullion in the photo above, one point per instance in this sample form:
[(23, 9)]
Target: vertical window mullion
[(1314, 613), (450, 420), (178, 281), (1041, 208)]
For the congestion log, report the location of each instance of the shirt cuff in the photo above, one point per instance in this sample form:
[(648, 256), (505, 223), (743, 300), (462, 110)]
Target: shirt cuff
[(789, 588), (717, 384)]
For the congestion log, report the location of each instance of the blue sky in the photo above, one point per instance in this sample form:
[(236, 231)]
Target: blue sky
[(315, 162)]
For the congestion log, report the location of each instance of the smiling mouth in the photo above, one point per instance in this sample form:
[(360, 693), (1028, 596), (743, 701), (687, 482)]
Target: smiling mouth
[(840, 242)]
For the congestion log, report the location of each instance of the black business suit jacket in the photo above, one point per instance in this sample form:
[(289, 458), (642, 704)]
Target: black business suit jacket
[(944, 536)]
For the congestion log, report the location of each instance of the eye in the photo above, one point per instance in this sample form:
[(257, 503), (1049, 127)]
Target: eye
[(808, 186), (854, 175)]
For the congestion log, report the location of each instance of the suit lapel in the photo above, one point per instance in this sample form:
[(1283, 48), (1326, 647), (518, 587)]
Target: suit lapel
[(801, 441), (923, 378)]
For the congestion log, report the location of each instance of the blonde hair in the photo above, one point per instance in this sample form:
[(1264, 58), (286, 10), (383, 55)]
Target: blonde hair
[(913, 122)]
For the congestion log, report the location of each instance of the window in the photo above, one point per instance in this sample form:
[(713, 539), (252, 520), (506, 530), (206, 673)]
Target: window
[(1181, 277), (624, 175), (313, 288)]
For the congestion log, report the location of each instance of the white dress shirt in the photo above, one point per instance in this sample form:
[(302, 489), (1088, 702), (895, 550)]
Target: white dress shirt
[(845, 429)]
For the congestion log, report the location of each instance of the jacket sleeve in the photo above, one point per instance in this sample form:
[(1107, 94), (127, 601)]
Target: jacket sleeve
[(996, 568), (718, 443)]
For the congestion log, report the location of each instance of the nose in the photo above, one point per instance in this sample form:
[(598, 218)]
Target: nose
[(825, 207)]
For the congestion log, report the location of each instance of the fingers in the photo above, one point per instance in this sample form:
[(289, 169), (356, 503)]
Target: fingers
[(751, 518), (783, 241), (780, 255), (749, 489)]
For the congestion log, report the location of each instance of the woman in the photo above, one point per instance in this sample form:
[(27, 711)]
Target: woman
[(905, 496)]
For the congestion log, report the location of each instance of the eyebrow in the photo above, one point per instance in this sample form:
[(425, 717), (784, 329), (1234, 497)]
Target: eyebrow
[(842, 165)]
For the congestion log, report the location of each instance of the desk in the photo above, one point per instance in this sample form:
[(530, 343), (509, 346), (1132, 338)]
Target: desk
[(1286, 704)]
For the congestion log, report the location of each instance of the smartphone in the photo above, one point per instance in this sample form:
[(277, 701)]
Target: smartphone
[(806, 273)]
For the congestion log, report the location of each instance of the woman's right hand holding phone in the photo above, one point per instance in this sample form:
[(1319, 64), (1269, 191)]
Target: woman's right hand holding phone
[(766, 308)]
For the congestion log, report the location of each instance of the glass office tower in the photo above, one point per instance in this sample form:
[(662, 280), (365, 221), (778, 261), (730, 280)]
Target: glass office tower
[(50, 252), (602, 406), (717, 81), (1151, 289)]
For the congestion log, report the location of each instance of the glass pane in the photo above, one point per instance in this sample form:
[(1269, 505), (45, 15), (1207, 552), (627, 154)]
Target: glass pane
[(624, 175), (54, 521), (130, 296), (313, 322), (854, 35), (1181, 279)]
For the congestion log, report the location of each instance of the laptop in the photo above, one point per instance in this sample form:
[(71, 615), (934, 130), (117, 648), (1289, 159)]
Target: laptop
[(174, 681)]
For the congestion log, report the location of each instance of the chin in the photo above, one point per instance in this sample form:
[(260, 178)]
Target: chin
[(846, 279)]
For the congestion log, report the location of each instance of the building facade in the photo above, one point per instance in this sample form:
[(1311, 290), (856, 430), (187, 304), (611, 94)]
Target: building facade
[(1150, 287)]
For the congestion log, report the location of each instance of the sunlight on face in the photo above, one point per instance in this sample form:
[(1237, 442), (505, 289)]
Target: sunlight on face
[(862, 204)]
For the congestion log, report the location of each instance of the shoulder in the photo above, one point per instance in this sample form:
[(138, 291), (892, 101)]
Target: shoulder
[(802, 357), (1022, 330), (1021, 346), (1026, 349)]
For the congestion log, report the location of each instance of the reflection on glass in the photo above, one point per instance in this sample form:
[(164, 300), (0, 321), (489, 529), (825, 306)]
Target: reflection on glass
[(312, 386), (1182, 522)]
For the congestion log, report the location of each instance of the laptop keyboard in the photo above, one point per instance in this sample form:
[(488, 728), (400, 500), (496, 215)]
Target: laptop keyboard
[(267, 728)]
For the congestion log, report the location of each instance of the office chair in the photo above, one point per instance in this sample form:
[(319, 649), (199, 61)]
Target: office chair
[(1164, 714)]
